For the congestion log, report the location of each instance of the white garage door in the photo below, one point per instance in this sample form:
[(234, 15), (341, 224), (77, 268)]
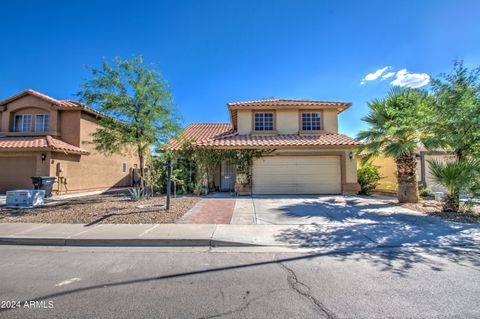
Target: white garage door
[(297, 175)]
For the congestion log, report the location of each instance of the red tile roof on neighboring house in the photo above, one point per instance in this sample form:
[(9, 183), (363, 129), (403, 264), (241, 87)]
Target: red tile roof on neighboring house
[(222, 135), (58, 104), (34, 143)]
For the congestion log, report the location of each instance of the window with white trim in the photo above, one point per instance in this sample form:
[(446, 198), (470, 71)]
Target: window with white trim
[(23, 123), (263, 121), (310, 121), (41, 123)]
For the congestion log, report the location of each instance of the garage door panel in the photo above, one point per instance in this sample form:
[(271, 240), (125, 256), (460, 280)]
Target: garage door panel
[(277, 189), (268, 161), (316, 160), (16, 173), (297, 175)]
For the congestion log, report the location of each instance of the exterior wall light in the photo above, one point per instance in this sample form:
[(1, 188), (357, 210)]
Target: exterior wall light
[(43, 157), (350, 155)]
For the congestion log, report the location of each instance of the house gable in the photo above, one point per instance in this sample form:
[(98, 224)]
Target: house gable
[(27, 104)]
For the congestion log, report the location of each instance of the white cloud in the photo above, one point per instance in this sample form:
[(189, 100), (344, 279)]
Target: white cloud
[(375, 75), (388, 75), (412, 80)]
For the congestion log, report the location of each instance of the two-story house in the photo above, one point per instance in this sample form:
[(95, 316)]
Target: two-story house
[(40, 135), (306, 153)]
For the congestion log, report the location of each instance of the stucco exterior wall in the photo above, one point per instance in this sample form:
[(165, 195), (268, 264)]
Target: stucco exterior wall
[(330, 121), (95, 170), (70, 127), (387, 168), (287, 121), (244, 122)]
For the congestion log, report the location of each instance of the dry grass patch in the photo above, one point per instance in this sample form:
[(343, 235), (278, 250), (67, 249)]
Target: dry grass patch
[(102, 209)]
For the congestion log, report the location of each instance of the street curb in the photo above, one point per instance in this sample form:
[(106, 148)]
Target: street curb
[(211, 243), (130, 242)]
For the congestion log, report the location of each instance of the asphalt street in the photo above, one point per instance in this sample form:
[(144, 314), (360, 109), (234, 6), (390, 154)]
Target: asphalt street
[(79, 282)]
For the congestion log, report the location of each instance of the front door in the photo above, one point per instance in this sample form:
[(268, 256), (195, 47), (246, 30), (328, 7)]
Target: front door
[(227, 176)]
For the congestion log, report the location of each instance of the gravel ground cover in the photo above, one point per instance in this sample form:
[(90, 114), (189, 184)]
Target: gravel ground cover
[(432, 207), (110, 208)]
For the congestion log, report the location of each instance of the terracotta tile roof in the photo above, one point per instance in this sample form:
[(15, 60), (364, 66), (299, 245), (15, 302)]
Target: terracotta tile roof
[(290, 103), (222, 135), (47, 143), (281, 140), (58, 104), (274, 104), (197, 132)]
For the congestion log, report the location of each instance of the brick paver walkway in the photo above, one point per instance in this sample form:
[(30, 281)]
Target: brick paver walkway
[(210, 211)]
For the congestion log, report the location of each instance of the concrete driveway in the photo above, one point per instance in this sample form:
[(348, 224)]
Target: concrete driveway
[(298, 210), (352, 222)]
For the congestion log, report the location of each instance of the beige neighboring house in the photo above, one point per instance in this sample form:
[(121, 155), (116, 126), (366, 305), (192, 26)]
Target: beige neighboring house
[(40, 135), (387, 168), (306, 154)]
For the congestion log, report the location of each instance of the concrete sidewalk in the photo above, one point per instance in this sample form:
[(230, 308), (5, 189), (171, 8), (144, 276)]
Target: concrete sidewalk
[(313, 236)]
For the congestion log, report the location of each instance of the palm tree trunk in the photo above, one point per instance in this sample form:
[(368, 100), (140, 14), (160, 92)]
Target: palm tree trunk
[(450, 204), (407, 179)]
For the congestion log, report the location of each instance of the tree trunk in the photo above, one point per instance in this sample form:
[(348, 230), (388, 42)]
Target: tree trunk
[(450, 204), (141, 158), (407, 179)]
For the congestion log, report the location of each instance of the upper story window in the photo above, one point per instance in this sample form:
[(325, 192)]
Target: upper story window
[(23, 123), (263, 121), (41, 123), (310, 121)]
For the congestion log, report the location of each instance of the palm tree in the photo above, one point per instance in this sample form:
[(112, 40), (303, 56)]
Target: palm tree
[(457, 176), (397, 127), (451, 175)]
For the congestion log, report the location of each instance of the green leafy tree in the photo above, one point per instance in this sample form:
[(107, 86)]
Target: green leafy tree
[(138, 105), (368, 177), (455, 124), (397, 128)]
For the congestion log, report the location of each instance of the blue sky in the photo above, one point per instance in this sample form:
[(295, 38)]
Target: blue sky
[(214, 52)]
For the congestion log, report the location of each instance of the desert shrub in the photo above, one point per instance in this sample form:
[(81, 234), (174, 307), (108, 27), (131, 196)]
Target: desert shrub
[(368, 177), (425, 192), (138, 193)]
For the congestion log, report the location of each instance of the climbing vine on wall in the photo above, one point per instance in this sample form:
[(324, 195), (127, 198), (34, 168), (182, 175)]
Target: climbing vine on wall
[(206, 160)]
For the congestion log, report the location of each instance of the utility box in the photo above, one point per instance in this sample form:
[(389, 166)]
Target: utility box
[(25, 198)]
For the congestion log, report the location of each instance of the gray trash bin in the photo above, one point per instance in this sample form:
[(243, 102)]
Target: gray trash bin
[(45, 183)]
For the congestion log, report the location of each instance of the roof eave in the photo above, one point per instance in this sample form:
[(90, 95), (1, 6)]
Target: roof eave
[(42, 149), (29, 92)]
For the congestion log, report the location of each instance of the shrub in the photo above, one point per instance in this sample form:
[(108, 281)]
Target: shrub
[(368, 177), (137, 193), (425, 192)]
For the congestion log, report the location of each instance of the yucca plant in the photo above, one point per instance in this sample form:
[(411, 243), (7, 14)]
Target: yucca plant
[(456, 177)]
